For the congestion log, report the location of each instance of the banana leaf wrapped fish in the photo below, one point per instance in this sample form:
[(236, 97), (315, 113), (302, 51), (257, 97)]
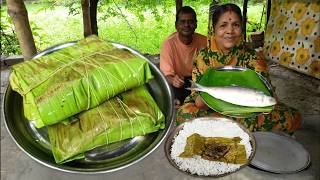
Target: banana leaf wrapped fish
[(132, 113), (77, 78), (228, 150)]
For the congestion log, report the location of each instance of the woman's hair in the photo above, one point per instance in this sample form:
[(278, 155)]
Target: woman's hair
[(220, 9), (186, 10)]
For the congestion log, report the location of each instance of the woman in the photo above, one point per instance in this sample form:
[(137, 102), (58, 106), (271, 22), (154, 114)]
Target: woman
[(225, 49)]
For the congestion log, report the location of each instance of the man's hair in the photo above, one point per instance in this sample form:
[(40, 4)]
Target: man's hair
[(186, 10), (220, 9)]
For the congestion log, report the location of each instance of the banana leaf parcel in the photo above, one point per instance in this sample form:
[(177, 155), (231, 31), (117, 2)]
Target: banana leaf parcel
[(77, 78), (228, 150), (132, 113)]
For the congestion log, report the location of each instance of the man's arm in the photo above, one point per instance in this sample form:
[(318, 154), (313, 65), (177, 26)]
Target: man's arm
[(167, 67), (166, 59)]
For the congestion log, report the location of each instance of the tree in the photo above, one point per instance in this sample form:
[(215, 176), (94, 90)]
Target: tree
[(18, 12), (178, 5), (89, 12), (85, 5)]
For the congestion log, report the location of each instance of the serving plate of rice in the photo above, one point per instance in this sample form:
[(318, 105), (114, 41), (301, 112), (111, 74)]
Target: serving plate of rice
[(207, 127)]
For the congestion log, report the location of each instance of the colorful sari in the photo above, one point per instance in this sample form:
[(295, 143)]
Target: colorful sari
[(282, 118)]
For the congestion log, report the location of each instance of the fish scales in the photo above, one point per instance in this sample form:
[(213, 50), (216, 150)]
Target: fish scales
[(237, 95)]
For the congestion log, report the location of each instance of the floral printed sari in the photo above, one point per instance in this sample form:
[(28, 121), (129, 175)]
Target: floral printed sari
[(282, 118)]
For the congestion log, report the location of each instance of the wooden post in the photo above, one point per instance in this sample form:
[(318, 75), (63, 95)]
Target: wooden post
[(85, 5), (93, 16), (268, 10), (178, 5), (89, 13), (19, 14), (244, 23)]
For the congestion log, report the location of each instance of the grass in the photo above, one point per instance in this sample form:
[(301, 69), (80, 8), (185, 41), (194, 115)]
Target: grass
[(55, 26), (146, 36)]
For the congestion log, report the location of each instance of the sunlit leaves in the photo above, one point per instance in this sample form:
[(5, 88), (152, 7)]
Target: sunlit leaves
[(9, 41)]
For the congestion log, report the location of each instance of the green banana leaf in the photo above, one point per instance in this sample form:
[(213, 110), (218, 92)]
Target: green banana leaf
[(132, 113), (246, 78), (76, 78)]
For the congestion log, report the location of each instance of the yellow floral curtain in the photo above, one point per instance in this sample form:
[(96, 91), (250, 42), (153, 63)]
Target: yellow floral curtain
[(293, 35)]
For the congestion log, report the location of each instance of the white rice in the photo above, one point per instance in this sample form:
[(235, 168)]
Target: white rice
[(217, 127)]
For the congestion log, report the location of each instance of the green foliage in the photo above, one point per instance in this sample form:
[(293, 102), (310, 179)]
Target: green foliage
[(140, 24), (74, 6), (253, 2), (54, 26), (9, 40), (39, 38), (113, 8), (256, 18)]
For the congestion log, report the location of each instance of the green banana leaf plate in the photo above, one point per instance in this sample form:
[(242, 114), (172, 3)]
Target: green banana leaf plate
[(234, 76)]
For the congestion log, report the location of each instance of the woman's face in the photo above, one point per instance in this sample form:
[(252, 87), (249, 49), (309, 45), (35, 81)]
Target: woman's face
[(228, 31)]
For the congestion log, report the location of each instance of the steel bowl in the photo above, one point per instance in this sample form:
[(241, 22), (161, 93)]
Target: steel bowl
[(35, 142)]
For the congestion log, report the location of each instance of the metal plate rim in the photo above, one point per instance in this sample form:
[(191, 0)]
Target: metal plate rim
[(286, 138), (175, 131), (162, 133)]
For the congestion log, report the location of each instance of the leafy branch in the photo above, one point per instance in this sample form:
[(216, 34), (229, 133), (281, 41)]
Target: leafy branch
[(128, 23)]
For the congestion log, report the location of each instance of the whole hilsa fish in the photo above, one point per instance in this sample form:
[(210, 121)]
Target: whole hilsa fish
[(237, 95)]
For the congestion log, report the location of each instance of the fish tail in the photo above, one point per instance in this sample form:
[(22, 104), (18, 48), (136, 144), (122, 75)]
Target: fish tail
[(193, 89), (194, 86)]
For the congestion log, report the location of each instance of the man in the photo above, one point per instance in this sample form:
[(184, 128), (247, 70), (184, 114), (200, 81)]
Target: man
[(178, 51)]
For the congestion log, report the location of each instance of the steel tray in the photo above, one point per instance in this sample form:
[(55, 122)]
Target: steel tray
[(35, 142)]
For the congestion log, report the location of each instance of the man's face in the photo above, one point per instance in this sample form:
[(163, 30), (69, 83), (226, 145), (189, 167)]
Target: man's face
[(186, 24)]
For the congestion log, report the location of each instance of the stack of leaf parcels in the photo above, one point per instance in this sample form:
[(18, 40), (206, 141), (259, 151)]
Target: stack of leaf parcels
[(89, 94), (222, 149)]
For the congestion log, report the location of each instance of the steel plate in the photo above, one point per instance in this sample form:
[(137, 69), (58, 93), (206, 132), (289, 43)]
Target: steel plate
[(35, 142), (279, 153), (170, 140)]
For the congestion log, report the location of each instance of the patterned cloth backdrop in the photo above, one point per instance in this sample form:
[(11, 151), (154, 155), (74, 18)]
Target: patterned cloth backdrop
[(293, 35)]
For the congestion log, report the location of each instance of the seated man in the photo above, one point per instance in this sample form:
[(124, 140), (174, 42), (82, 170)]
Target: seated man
[(178, 51)]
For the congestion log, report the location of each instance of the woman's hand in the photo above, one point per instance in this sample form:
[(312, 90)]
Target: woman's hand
[(200, 103)]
